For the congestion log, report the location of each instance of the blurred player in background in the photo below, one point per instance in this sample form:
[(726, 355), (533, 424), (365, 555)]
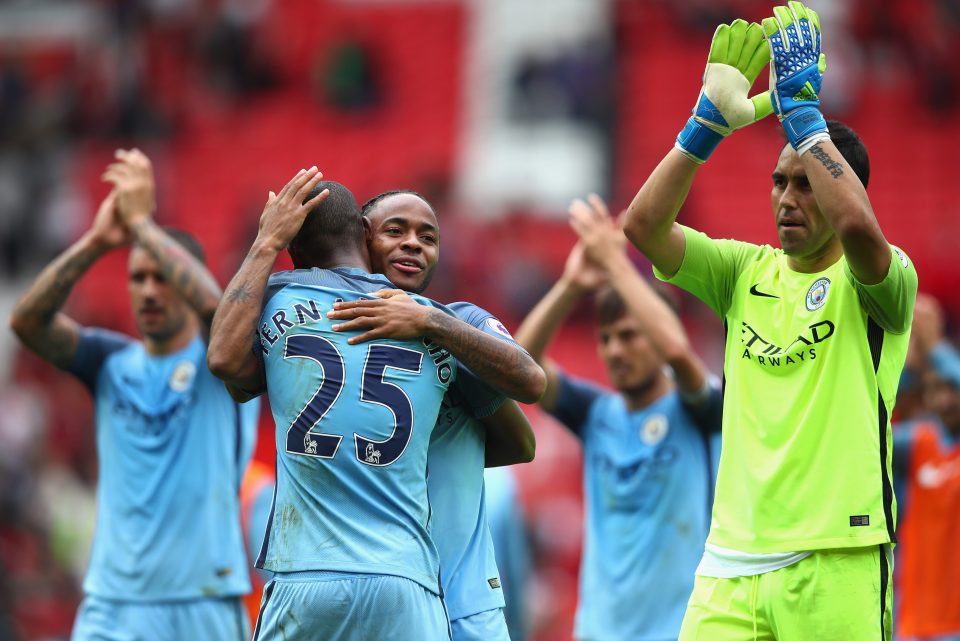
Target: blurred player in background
[(817, 332), (375, 573), (926, 462), (404, 241), (647, 467), (168, 560)]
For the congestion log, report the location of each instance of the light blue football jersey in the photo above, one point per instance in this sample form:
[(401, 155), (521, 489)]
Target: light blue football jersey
[(172, 447), (468, 567), (353, 423), (648, 490)]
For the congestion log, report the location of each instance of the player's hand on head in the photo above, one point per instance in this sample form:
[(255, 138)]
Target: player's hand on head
[(738, 53), (284, 213), (107, 229), (132, 178), (601, 236), (394, 314)]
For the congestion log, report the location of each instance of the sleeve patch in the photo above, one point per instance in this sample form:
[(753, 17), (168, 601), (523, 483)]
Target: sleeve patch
[(498, 327), (903, 258)]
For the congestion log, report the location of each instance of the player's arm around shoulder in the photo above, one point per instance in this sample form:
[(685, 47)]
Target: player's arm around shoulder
[(510, 437), (394, 314)]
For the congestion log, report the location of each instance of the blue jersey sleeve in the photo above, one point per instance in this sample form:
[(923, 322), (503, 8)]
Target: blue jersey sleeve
[(481, 399), (706, 407), (574, 400), (94, 348)]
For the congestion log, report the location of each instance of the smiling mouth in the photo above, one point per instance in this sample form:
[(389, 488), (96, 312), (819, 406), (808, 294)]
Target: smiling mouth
[(407, 266)]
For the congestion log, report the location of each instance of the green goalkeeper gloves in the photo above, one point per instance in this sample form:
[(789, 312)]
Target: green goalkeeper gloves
[(738, 53)]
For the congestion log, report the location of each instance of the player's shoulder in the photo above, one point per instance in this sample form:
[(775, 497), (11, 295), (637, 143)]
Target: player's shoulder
[(478, 317), (339, 278)]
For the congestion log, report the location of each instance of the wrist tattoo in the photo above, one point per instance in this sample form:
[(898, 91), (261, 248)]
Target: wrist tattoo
[(835, 168)]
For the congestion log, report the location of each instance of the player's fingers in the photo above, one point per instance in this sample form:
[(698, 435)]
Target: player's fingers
[(719, 44), (388, 293), (755, 53), (356, 324), (290, 184), (599, 206), (360, 303), (309, 203), (738, 34), (313, 176), (366, 336)]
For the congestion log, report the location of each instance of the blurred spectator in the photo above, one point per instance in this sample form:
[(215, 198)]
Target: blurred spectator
[(347, 76), (927, 461)]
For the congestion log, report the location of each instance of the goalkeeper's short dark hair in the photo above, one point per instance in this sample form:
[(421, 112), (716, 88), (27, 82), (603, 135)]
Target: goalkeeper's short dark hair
[(852, 149)]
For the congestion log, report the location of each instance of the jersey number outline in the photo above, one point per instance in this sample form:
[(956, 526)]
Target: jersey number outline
[(301, 437)]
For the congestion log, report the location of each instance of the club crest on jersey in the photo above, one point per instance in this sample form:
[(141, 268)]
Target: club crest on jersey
[(182, 377), (654, 429), (817, 294), (498, 327)]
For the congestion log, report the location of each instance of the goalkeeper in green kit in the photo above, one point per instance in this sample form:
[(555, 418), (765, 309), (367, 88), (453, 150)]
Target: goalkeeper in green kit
[(817, 332)]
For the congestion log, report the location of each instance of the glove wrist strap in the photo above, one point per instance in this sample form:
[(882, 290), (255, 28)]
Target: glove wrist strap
[(697, 141), (803, 124)]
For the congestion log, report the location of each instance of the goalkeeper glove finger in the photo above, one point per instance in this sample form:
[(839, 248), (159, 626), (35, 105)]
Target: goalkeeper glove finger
[(796, 73), (737, 55)]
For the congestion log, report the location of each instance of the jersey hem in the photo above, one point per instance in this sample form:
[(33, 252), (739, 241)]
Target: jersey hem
[(456, 615), (430, 583), (805, 545)]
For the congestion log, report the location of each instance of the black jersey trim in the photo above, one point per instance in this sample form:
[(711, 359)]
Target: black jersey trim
[(875, 335)]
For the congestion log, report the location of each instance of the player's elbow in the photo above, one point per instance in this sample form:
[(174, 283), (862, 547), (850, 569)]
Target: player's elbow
[(22, 325), (534, 384), (642, 227), (223, 364)]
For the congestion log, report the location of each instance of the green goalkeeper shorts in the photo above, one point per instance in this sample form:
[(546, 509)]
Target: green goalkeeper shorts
[(832, 594)]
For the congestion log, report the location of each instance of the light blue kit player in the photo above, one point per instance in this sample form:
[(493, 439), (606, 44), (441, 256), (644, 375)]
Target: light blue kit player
[(168, 560), (348, 535), (648, 464), (403, 237)]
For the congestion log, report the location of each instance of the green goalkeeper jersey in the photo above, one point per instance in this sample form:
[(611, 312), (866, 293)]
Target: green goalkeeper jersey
[(811, 367)]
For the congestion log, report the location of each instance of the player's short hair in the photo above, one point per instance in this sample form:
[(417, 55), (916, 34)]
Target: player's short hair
[(609, 306), (186, 240), (330, 225), (371, 204), (852, 149)]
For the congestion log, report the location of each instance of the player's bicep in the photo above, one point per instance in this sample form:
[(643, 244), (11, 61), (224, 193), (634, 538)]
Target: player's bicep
[(890, 302), (666, 255)]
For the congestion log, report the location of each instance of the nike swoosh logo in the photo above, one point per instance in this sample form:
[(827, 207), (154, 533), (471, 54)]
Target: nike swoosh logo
[(757, 292)]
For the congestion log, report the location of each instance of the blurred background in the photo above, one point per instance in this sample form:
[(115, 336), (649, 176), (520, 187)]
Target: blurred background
[(499, 111)]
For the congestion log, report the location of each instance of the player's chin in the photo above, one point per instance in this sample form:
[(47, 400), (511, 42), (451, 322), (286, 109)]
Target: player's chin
[(408, 282)]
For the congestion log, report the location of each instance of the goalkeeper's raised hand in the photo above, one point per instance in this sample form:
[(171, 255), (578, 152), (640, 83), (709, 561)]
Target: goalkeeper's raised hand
[(796, 73), (738, 54)]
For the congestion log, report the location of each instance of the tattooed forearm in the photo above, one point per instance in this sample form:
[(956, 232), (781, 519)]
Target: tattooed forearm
[(496, 362), (50, 290), (835, 168), (181, 269)]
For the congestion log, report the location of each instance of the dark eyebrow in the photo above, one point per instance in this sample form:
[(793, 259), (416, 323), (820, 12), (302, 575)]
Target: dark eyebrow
[(778, 174), (400, 220)]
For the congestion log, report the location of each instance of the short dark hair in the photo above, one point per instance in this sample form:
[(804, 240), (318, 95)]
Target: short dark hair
[(609, 306), (852, 149), (186, 240), (329, 225), (371, 204)]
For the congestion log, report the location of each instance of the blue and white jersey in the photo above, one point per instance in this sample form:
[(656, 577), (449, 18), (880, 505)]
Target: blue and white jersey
[(468, 568), (353, 423), (648, 490), (172, 447)]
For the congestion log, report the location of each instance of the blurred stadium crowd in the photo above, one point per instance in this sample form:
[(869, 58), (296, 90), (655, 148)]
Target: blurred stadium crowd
[(499, 111)]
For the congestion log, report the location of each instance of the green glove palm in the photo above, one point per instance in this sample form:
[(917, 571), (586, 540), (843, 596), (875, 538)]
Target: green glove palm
[(738, 53)]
